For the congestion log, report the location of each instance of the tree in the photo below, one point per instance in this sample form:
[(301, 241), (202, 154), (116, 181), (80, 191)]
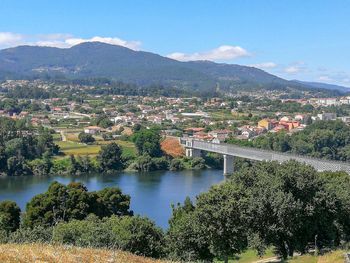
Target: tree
[(221, 215), (147, 141), (9, 216), (287, 205), (109, 157), (110, 201), (86, 138), (17, 166), (59, 203), (184, 239), (176, 165)]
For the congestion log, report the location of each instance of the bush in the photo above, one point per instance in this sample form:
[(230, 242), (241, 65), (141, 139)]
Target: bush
[(38, 234), (86, 233), (86, 138), (161, 163), (139, 235), (176, 165), (143, 163), (9, 216), (198, 163)]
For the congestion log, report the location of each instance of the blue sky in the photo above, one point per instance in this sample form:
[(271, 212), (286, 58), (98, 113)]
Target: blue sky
[(295, 39)]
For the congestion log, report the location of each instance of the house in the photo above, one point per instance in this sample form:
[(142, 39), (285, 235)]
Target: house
[(92, 129), (267, 124), (221, 135), (327, 116), (289, 125), (202, 136)]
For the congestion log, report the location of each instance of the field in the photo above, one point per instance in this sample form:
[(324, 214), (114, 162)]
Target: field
[(71, 147), (13, 253)]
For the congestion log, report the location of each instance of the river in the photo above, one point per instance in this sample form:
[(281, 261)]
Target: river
[(151, 193)]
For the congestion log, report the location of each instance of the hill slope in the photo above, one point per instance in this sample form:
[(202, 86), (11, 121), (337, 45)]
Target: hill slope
[(100, 60), (14, 253)]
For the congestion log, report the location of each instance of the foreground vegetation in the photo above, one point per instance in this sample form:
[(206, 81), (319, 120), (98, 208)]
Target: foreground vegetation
[(288, 206), (13, 253)]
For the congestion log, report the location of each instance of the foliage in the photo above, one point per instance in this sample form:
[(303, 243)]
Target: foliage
[(19, 145), (322, 139), (86, 138), (176, 164), (147, 141), (135, 234), (64, 203), (9, 216), (287, 206), (110, 157)]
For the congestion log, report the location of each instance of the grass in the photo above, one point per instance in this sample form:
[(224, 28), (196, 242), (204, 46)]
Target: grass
[(14, 253), (249, 256), (76, 148), (221, 115)]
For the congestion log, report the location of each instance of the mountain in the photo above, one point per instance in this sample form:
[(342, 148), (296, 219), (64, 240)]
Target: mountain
[(324, 86), (100, 60)]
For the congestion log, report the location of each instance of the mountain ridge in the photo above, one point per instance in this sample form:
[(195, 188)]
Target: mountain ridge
[(96, 59)]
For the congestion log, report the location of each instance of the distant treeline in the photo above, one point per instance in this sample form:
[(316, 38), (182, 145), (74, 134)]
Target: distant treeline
[(103, 86)]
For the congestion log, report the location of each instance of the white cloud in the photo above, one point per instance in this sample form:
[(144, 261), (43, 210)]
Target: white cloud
[(296, 67), (325, 78), (264, 65), (292, 69), (8, 39), (221, 53)]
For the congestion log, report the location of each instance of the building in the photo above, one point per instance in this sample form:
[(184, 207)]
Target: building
[(221, 135), (92, 129), (327, 116), (267, 124)]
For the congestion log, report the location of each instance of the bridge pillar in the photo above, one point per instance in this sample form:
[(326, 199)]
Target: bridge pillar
[(193, 152), (228, 164)]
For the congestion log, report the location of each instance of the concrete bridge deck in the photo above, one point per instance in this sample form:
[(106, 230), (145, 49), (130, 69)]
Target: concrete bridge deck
[(261, 155)]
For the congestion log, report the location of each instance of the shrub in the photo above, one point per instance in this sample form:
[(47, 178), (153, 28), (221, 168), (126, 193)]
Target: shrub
[(9, 216), (176, 165), (38, 234)]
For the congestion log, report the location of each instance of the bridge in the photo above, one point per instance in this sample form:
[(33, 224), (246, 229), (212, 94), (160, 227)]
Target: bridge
[(229, 151)]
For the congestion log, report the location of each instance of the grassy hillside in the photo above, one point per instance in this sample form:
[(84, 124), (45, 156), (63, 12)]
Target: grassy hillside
[(14, 253)]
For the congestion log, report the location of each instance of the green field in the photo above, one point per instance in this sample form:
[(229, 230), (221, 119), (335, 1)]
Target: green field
[(76, 148)]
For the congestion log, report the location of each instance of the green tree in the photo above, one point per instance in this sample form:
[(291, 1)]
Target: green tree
[(147, 141), (9, 216), (184, 238), (59, 203), (86, 138), (110, 201), (109, 157), (221, 215)]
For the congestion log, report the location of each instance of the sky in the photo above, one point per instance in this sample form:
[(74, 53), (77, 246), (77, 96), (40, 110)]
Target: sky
[(297, 39)]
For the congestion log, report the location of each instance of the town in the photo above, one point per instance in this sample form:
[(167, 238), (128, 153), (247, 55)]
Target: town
[(212, 119)]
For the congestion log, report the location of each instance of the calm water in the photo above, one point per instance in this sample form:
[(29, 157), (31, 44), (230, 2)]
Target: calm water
[(151, 193)]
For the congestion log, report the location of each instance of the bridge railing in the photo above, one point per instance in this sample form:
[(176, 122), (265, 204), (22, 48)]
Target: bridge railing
[(260, 154)]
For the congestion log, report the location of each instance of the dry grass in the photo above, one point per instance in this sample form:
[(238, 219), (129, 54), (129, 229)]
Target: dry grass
[(332, 257), (35, 253), (172, 147)]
